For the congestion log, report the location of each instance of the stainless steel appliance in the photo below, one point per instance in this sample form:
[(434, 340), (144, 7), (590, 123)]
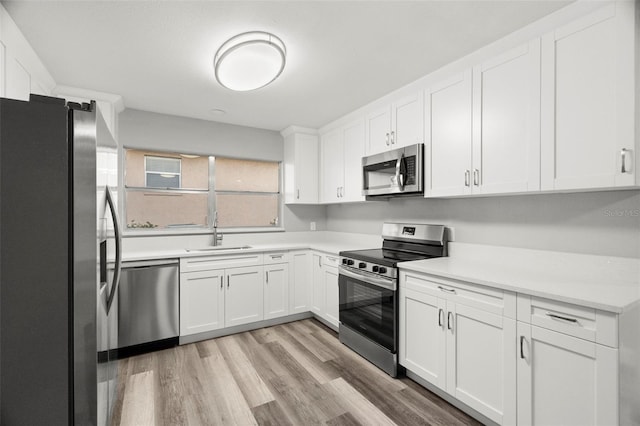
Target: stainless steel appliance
[(58, 223), (368, 289), (148, 306), (394, 173)]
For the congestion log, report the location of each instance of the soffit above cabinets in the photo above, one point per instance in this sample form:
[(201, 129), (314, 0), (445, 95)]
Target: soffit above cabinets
[(340, 55)]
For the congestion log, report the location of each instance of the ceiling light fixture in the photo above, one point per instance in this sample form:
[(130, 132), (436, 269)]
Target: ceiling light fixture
[(249, 61)]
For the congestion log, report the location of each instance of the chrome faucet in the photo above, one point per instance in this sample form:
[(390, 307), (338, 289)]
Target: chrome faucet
[(217, 239)]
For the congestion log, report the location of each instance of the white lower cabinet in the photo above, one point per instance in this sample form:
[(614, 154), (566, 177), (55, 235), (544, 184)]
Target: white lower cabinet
[(449, 340), (318, 295), (567, 363), (331, 295), (300, 281), (244, 298), (565, 380), (325, 288), (276, 290), (220, 291), (201, 301)]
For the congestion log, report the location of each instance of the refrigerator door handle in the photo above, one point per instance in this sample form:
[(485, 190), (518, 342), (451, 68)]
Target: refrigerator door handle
[(118, 238)]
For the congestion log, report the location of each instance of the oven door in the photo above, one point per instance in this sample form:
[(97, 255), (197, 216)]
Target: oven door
[(368, 305)]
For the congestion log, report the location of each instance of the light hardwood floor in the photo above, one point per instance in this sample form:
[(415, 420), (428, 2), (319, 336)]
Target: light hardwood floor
[(291, 374)]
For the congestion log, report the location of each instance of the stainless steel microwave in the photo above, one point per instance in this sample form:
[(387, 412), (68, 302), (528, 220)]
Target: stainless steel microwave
[(394, 173)]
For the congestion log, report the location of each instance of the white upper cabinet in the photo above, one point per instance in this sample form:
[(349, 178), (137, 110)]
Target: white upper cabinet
[(506, 122), (342, 150), (448, 109), (17, 80), (354, 150), (484, 127), (588, 86), (397, 125), (21, 71), (332, 169), (300, 166)]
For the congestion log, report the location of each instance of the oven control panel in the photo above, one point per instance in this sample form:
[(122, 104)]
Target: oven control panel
[(368, 267)]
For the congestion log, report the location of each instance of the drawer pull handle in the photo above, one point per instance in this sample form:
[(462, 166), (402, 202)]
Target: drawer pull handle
[(278, 256), (522, 347), (560, 317), (221, 282), (440, 317), (448, 290), (449, 320)]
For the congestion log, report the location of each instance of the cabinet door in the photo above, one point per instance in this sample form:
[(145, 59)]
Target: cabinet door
[(587, 101), (354, 150), (201, 301), (506, 122), (565, 380), (276, 290), (319, 298), (448, 109), (331, 295), (306, 169), (18, 79), (422, 336), (378, 130), (407, 127), (244, 301), (300, 169), (481, 362), (332, 166), (300, 282)]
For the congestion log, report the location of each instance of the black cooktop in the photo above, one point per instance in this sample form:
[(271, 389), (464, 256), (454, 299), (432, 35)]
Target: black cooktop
[(385, 257)]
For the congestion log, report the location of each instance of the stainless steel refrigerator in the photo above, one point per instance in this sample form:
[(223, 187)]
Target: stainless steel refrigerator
[(59, 263)]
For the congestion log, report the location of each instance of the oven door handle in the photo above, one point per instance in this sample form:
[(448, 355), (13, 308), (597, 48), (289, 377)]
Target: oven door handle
[(388, 283)]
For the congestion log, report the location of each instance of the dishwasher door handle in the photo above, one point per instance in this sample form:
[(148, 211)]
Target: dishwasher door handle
[(149, 263)]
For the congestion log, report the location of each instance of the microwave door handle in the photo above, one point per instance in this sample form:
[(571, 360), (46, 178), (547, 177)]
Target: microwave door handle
[(118, 240), (400, 172)]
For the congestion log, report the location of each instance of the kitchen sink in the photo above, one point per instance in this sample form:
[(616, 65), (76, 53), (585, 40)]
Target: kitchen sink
[(220, 248)]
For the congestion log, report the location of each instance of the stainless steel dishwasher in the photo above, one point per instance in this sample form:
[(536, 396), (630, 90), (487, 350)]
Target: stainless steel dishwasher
[(148, 306)]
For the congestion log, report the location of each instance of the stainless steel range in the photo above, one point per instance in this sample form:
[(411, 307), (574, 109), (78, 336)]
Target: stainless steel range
[(368, 286)]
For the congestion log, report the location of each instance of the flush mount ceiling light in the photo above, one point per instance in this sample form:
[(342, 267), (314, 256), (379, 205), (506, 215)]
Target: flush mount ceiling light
[(249, 61)]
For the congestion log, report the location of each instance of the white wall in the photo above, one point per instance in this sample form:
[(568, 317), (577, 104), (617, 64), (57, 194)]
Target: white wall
[(143, 129), (606, 223)]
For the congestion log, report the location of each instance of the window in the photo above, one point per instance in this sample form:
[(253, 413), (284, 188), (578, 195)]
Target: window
[(162, 172), (174, 191), (247, 192)]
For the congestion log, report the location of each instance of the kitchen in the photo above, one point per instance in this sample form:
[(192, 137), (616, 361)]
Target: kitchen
[(546, 211)]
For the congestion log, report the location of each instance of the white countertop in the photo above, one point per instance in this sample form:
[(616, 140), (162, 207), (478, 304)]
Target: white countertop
[(331, 247), (601, 282)]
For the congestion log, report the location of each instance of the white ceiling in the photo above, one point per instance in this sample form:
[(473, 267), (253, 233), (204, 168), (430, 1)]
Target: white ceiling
[(341, 54)]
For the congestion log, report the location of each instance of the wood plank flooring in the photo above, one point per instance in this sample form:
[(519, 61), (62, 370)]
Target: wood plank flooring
[(291, 374)]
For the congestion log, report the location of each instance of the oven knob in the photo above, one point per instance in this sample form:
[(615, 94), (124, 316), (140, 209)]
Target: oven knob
[(345, 261), (375, 268), (362, 265), (350, 262), (382, 270)]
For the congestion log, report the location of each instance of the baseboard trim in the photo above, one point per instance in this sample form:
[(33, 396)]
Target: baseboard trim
[(451, 400), (242, 328)]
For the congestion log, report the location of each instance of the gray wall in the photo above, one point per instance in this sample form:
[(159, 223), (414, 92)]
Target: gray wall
[(606, 223), (149, 130), (143, 129)]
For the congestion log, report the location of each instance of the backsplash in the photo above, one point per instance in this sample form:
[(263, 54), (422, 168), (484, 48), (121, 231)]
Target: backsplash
[(605, 223)]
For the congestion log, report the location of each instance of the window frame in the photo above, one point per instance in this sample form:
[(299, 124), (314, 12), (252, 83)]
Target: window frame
[(211, 203), (146, 172)]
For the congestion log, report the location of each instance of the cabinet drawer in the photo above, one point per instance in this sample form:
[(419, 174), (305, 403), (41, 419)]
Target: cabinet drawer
[(574, 320), (330, 260), (276, 257), (489, 299), (206, 263)]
